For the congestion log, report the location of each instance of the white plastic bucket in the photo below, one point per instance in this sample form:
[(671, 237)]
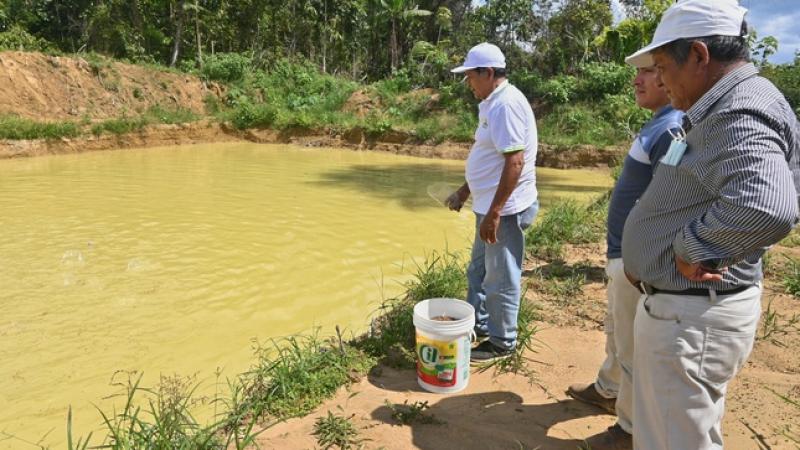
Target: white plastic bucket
[(443, 347)]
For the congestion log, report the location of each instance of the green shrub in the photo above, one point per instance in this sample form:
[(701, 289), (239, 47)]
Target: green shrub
[(581, 123), (530, 83), (397, 84), (560, 89), (622, 113), (596, 80), (225, 67), (248, 115), (457, 98), (786, 77)]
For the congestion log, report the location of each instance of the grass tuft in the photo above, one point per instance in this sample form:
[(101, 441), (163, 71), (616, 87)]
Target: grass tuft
[(790, 277), (775, 327), (414, 413), (336, 431)]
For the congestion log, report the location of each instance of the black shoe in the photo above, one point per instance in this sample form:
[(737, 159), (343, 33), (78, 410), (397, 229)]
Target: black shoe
[(488, 352)]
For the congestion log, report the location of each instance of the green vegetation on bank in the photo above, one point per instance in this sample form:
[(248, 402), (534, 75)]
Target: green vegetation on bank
[(567, 58), (15, 128)]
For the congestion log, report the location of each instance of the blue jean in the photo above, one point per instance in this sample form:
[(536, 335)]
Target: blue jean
[(494, 275)]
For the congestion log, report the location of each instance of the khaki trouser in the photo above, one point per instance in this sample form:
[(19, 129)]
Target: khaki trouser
[(614, 379), (687, 350)]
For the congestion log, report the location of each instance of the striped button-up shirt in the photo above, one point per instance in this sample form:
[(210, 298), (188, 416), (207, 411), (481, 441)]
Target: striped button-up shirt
[(731, 195)]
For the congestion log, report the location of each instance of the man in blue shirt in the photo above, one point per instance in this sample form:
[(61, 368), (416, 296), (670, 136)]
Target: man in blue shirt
[(612, 391)]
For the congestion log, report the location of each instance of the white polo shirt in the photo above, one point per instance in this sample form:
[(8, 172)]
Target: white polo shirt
[(505, 124)]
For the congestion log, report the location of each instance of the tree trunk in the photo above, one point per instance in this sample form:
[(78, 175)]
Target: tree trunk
[(176, 45), (393, 45), (197, 33), (325, 37)]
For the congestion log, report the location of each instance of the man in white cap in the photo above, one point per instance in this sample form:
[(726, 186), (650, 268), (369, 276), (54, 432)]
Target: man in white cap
[(723, 193), (501, 177)]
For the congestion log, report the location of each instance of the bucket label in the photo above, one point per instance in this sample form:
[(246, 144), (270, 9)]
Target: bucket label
[(437, 361)]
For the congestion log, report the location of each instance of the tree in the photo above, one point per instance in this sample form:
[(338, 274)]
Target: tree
[(178, 14), (398, 11), (763, 48), (570, 33)]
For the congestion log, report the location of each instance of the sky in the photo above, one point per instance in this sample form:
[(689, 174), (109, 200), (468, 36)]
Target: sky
[(777, 18)]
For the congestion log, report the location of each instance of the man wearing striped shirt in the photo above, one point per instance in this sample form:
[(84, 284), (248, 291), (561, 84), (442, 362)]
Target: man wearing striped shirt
[(693, 243)]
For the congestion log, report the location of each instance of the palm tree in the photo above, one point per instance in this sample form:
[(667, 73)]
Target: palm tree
[(399, 10)]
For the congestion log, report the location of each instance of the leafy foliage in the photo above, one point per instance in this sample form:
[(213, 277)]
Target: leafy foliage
[(226, 67), (18, 39)]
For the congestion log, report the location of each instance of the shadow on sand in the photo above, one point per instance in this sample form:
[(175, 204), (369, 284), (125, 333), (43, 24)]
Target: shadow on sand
[(493, 420), (484, 420)]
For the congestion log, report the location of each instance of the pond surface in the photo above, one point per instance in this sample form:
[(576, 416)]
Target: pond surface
[(176, 260)]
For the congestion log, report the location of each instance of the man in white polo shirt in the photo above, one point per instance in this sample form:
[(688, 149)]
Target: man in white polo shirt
[(501, 177)]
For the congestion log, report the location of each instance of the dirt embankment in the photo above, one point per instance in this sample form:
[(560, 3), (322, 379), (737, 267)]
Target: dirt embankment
[(58, 88), (49, 88)]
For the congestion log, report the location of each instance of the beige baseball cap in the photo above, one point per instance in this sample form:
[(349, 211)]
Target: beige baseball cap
[(689, 19)]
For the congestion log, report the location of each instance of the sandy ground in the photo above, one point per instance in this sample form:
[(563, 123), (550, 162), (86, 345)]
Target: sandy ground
[(508, 411)]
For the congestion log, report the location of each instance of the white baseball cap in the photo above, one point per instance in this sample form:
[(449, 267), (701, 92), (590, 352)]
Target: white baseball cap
[(482, 55), (690, 19)]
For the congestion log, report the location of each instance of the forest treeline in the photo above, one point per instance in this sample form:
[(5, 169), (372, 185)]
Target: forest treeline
[(296, 62)]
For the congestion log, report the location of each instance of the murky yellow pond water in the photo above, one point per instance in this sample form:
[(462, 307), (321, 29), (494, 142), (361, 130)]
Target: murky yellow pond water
[(173, 260)]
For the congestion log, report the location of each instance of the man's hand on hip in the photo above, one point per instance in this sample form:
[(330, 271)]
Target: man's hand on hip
[(489, 226), (696, 271)]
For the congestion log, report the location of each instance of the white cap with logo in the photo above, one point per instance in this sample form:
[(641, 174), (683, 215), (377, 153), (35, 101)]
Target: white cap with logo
[(482, 55), (691, 19)]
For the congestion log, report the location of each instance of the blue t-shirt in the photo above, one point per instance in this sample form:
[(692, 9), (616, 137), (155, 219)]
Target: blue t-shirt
[(647, 149)]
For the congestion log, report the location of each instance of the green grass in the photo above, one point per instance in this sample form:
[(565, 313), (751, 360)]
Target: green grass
[(153, 115), (161, 418), (561, 284), (788, 431), (517, 363), (15, 128), (441, 274), (294, 375), (566, 222), (790, 276), (775, 326)]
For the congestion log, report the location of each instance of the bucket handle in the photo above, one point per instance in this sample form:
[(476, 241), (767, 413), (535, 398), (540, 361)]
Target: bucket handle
[(472, 336)]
